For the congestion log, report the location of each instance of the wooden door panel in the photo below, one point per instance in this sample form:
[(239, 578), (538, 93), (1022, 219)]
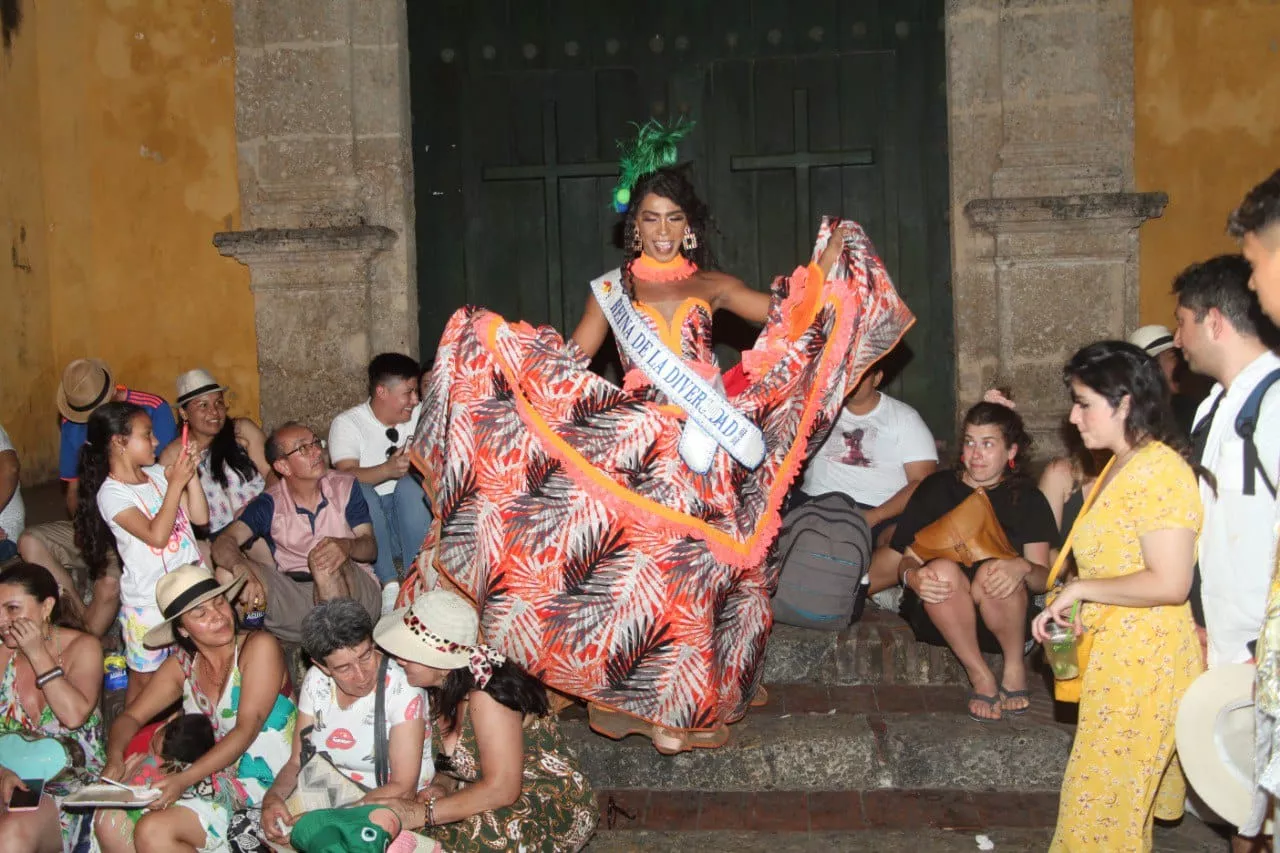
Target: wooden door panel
[(803, 108)]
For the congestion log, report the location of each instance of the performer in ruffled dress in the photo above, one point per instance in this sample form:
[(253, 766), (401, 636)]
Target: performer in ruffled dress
[(613, 538)]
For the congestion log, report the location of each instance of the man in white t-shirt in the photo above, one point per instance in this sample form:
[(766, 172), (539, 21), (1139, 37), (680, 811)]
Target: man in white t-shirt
[(877, 453), (369, 441), (1222, 332), (13, 513)]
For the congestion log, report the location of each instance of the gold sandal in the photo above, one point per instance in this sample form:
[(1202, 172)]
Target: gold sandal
[(618, 725)]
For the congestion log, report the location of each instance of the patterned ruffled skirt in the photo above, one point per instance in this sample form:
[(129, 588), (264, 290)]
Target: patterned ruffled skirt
[(599, 560)]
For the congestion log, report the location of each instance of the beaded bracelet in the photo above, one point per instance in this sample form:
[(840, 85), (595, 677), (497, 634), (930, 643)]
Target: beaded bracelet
[(42, 680)]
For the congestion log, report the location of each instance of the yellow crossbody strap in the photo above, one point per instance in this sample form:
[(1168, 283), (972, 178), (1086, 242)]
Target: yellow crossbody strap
[(1059, 563)]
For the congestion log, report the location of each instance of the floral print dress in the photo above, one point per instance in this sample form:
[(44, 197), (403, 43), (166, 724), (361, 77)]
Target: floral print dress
[(246, 783), (14, 718), (556, 811), (600, 561), (1122, 771)]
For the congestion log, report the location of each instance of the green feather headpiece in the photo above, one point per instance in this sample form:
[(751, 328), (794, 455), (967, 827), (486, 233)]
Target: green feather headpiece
[(654, 147)]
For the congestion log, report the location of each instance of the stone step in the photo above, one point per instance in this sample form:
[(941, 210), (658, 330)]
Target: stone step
[(863, 841), (1179, 839), (839, 751), (878, 649)]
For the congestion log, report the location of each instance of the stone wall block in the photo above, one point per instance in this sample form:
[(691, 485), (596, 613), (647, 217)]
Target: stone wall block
[(385, 181), (973, 67), (958, 11), (294, 21), (1054, 306), (378, 93), (978, 314), (1048, 55), (1084, 243), (306, 160), (1059, 120), (313, 365), (246, 19), (380, 23), (294, 91), (975, 136)]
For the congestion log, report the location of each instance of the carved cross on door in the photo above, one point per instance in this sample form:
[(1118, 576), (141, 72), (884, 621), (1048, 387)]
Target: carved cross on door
[(551, 173), (801, 161)]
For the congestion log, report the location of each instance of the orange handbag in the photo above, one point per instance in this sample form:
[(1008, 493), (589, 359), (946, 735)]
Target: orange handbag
[(968, 534)]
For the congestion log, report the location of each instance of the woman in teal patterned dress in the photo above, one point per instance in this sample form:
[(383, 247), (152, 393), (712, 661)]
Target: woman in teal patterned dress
[(237, 680), (50, 679)]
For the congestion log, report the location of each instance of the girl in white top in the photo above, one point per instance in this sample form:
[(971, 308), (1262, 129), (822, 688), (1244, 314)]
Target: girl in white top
[(148, 510)]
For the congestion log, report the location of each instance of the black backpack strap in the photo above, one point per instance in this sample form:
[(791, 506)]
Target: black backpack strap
[(1246, 425), (1200, 432), (381, 758)]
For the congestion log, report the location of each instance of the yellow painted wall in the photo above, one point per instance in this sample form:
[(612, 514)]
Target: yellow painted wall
[(1207, 110), (26, 350), (125, 116)]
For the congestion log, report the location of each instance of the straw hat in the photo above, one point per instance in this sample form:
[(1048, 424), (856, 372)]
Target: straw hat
[(1154, 339), (1215, 736), (439, 629), (86, 384), (194, 383), (183, 589)]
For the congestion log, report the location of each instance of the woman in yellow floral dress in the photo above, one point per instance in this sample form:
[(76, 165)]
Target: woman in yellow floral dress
[(1134, 550)]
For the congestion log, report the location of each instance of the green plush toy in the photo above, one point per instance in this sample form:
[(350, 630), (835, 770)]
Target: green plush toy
[(347, 830)]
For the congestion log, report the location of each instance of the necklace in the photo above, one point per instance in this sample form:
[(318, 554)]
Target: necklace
[(677, 268), (221, 681)]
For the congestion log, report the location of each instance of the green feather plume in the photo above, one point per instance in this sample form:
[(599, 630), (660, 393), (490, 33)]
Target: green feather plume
[(654, 147)]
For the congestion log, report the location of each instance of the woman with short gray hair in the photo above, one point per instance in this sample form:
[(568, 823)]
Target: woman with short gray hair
[(336, 713)]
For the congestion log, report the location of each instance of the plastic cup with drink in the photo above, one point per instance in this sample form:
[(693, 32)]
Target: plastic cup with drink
[(1060, 648)]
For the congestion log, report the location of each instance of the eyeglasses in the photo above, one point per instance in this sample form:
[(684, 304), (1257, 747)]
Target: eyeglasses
[(314, 444), (393, 436)]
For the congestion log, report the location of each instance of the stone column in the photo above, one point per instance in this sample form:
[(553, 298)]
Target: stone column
[(1044, 214), (323, 134), (314, 299)]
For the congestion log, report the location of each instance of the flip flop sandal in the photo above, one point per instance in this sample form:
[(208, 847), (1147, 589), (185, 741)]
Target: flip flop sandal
[(1014, 694), (990, 701)]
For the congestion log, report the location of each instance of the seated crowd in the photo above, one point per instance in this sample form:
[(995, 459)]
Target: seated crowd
[(213, 544)]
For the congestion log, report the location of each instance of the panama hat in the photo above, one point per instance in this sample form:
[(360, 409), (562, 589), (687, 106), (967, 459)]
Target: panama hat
[(1153, 339), (1215, 737), (183, 589), (86, 384), (194, 383), (439, 629)]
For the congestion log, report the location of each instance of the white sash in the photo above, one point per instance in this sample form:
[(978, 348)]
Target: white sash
[(712, 420)]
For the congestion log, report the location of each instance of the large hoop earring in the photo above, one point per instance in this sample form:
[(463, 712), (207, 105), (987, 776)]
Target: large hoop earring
[(637, 244), (690, 241)]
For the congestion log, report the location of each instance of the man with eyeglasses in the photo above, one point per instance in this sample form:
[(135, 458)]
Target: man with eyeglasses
[(316, 522), (369, 441)]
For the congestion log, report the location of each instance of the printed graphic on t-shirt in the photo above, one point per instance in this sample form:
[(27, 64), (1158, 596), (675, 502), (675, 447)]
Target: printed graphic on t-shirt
[(853, 454), (340, 739), (347, 734)]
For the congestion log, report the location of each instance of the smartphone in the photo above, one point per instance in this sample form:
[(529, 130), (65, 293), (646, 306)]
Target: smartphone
[(28, 800)]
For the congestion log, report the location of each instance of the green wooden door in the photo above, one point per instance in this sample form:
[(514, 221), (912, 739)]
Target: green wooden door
[(803, 108)]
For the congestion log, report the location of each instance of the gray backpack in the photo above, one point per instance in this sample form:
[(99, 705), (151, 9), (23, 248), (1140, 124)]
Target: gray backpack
[(821, 558)]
